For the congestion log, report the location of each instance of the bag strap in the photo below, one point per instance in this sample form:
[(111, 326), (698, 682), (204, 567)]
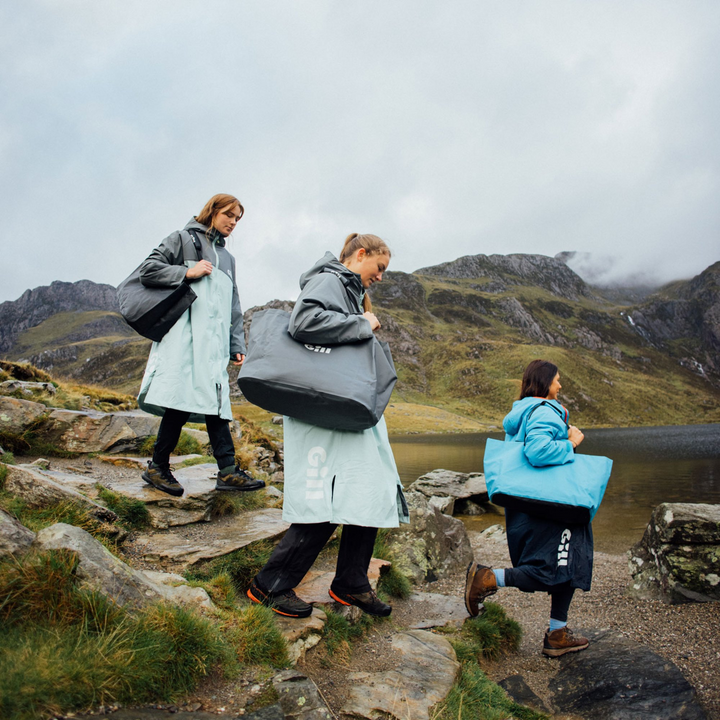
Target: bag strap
[(196, 243), (540, 404), (345, 281)]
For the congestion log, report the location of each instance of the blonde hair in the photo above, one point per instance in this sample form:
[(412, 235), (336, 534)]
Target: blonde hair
[(372, 244), (214, 205)]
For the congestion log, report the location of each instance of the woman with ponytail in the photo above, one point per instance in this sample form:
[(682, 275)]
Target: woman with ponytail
[(334, 477)]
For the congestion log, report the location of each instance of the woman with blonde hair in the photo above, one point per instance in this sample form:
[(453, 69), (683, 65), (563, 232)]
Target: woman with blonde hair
[(334, 477), (186, 376)]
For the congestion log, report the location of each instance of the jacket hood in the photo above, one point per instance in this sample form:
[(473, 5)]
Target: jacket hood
[(514, 419), (329, 263), (210, 235)]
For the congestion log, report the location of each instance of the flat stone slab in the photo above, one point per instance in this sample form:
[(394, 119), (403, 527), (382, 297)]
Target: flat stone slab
[(427, 671), (315, 585), (619, 679), (225, 538), (436, 610), (299, 697), (194, 506), (301, 634)]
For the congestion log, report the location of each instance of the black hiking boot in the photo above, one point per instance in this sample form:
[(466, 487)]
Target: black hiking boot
[(368, 602), (285, 603), (238, 480), (162, 479)]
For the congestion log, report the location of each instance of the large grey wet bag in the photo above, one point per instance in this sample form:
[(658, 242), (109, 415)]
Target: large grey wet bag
[(341, 387)]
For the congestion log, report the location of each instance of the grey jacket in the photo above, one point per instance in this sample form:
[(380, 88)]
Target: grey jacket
[(164, 268), (329, 309)]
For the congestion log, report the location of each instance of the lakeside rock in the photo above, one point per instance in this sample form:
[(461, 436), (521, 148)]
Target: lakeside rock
[(619, 679), (678, 558), (433, 545), (453, 492)]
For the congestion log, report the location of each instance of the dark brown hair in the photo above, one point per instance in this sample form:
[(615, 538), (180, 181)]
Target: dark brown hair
[(372, 244), (214, 205), (537, 379)]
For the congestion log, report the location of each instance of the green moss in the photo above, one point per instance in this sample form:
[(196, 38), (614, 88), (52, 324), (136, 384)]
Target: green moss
[(394, 582)]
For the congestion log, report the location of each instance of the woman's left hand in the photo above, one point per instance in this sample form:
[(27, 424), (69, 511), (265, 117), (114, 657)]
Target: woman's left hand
[(238, 359)]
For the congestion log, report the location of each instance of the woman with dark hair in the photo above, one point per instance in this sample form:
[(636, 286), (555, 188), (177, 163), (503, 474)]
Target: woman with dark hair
[(334, 477), (186, 376), (547, 556)]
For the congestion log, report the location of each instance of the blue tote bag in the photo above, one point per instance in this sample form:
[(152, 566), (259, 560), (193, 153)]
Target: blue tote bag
[(569, 493)]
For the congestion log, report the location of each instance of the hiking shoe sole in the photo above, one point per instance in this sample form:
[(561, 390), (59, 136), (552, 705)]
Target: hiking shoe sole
[(260, 484), (269, 603), (557, 652)]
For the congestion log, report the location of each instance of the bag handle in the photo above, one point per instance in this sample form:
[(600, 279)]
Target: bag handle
[(547, 404)]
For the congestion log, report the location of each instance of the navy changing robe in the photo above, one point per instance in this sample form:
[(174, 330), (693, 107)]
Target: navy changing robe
[(549, 552)]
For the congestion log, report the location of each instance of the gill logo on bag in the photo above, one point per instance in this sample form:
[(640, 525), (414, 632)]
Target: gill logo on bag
[(314, 485), (318, 348), (564, 547)]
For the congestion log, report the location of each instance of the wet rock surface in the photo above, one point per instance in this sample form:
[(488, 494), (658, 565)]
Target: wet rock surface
[(619, 679)]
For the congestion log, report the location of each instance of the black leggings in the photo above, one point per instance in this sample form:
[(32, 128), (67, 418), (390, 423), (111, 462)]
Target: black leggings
[(297, 551), (560, 595), (169, 433)]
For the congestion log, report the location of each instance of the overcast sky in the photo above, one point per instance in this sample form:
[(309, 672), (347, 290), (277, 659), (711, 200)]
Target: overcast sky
[(448, 129)]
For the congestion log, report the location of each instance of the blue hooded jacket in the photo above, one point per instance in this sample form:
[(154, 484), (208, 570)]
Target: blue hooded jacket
[(545, 434)]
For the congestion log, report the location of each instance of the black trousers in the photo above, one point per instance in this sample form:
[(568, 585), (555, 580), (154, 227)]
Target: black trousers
[(560, 595), (169, 433), (297, 551)]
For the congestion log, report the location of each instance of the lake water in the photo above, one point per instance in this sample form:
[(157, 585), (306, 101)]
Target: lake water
[(651, 465)]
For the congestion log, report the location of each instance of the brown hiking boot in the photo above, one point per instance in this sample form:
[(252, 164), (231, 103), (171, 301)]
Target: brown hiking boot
[(479, 583), (561, 641)]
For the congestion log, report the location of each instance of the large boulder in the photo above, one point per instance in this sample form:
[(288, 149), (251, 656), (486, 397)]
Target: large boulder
[(15, 538), (452, 491), (433, 545), (678, 558), (99, 570), (619, 679), (79, 431), (41, 488)]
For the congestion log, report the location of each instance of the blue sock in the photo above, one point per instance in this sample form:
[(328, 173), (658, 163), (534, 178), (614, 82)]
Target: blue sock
[(499, 577), (556, 624)]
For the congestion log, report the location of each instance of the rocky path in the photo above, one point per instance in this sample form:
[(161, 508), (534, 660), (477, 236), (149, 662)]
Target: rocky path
[(400, 667)]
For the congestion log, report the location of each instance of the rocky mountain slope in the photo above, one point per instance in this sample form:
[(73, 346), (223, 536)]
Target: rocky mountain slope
[(461, 333)]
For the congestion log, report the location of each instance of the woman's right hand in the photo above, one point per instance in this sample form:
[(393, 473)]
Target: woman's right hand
[(575, 436), (200, 269), (374, 322)]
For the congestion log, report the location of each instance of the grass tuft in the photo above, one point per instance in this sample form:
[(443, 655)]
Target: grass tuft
[(256, 638), (338, 632), (475, 697), (490, 634), (233, 503), (63, 648), (240, 566), (132, 513)]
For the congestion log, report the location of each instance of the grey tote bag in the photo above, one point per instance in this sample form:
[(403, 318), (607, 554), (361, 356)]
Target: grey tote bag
[(341, 387)]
